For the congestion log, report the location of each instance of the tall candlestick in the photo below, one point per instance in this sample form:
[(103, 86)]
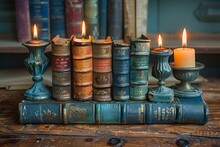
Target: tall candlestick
[(184, 57), (36, 64), (161, 70)]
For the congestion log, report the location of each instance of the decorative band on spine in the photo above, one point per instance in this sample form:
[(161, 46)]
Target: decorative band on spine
[(102, 94), (62, 78), (102, 79), (82, 93), (82, 78), (61, 63)]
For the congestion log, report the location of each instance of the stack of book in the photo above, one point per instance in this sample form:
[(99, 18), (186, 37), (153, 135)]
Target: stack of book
[(102, 73), (135, 107), (82, 68), (61, 69)]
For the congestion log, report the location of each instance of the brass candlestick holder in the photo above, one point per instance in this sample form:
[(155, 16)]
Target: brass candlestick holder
[(161, 70), (185, 76)]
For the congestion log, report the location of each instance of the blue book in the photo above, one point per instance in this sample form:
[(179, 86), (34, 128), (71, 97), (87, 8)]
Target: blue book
[(40, 112), (57, 18), (102, 19), (39, 15), (115, 19), (121, 69), (188, 110)]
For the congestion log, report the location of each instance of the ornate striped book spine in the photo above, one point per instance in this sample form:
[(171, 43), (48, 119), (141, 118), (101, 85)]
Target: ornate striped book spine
[(115, 19), (57, 18), (139, 64), (102, 69), (121, 69), (23, 20), (102, 19), (39, 15), (74, 17), (82, 69), (91, 16), (61, 69)]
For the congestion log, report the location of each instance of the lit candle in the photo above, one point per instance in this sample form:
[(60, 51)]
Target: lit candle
[(35, 36), (160, 44), (184, 57), (83, 34)]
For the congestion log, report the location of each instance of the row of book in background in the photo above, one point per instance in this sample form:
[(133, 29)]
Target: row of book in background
[(87, 74), (117, 18)]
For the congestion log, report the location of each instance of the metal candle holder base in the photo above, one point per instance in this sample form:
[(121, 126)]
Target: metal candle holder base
[(36, 64), (161, 70), (185, 76)]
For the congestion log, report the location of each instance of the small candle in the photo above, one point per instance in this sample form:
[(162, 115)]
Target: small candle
[(184, 57), (35, 36), (160, 45), (83, 34)]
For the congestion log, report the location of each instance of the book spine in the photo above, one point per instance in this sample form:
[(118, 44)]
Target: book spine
[(23, 20), (74, 113), (40, 112), (128, 112), (102, 19), (82, 70), (57, 18), (91, 17), (161, 113), (139, 64), (102, 69), (141, 17), (129, 17), (104, 109), (192, 113), (61, 69), (39, 15), (74, 17), (121, 69), (133, 113), (115, 19)]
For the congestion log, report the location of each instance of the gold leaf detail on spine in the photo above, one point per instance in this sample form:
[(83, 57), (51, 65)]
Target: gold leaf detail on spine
[(77, 114)]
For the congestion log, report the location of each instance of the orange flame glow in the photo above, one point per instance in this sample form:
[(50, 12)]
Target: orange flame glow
[(184, 38), (35, 32), (160, 42), (83, 29)]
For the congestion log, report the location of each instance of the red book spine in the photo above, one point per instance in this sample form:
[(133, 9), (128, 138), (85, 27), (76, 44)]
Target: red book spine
[(23, 20), (74, 17)]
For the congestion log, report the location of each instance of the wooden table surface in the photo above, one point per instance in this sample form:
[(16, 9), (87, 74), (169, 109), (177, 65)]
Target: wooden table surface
[(14, 134)]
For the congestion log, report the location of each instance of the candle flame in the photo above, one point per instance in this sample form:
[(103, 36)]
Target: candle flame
[(160, 42), (184, 38), (35, 32), (83, 29)]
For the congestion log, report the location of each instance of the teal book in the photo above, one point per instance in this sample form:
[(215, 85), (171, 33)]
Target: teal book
[(40, 112), (184, 111)]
